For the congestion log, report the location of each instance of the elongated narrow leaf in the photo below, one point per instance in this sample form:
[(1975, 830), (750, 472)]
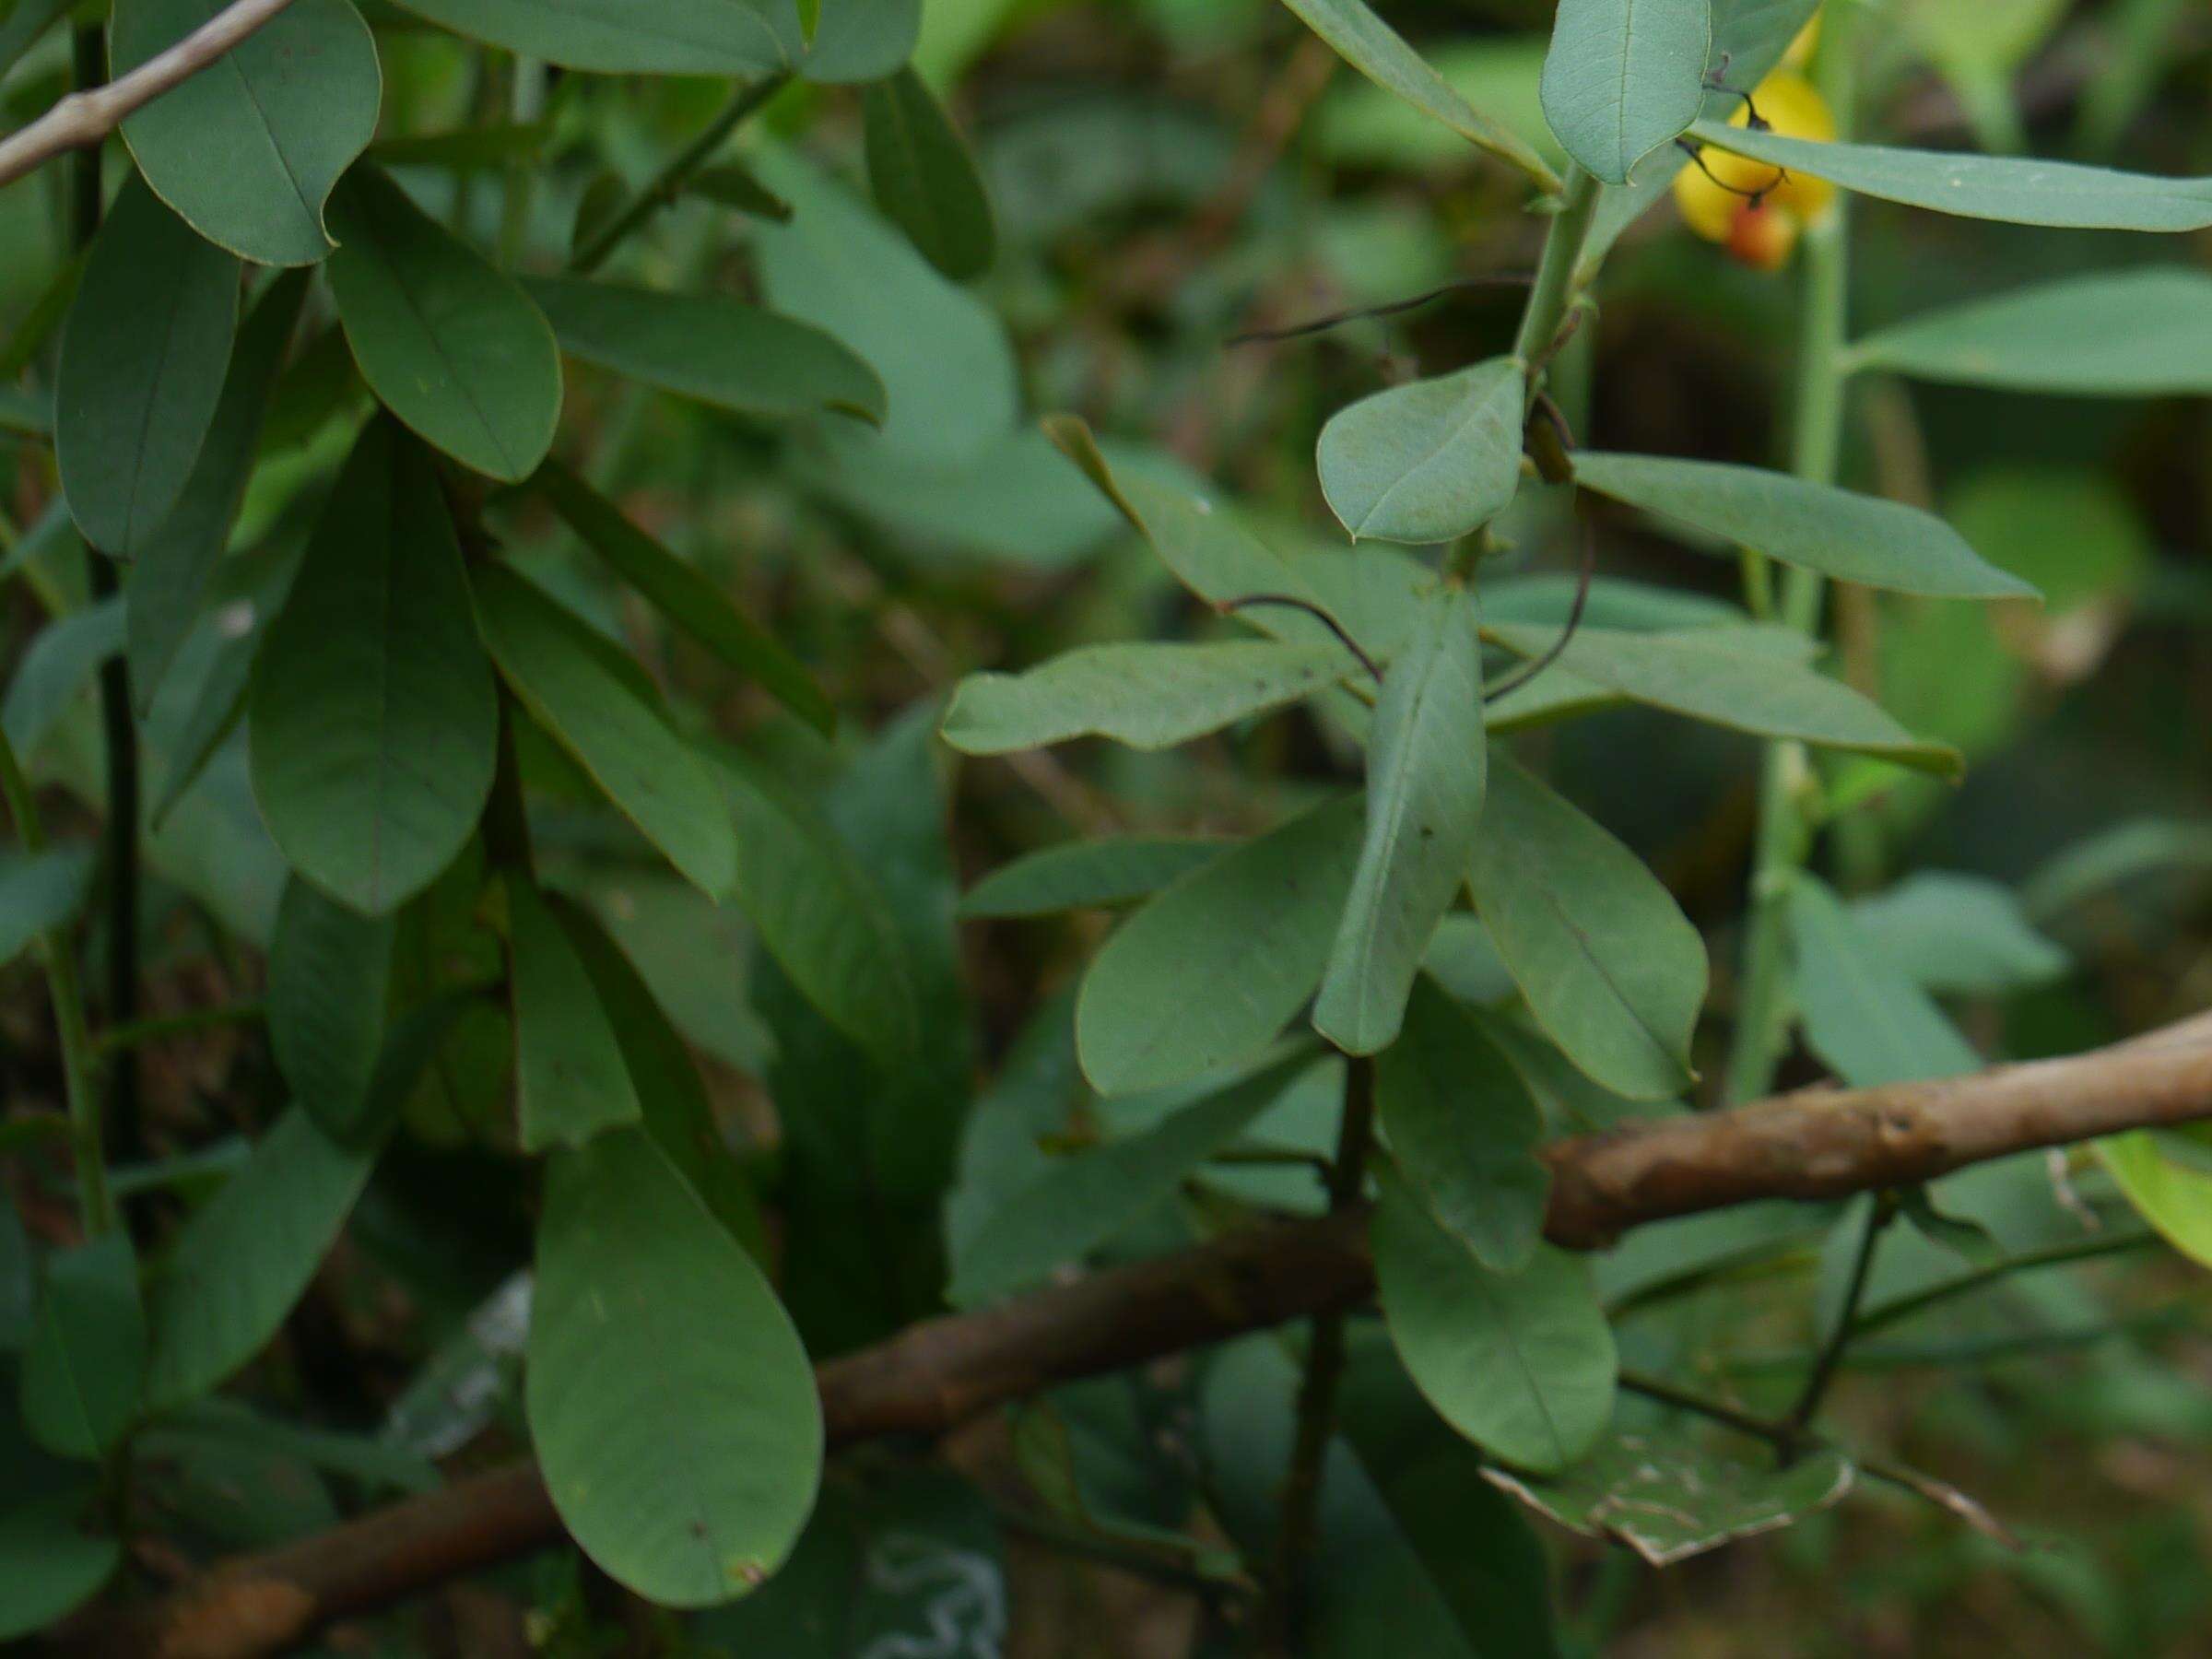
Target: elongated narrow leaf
[(862, 40), (177, 561), (1428, 462), (1951, 933), (248, 150), (1079, 1202), (2118, 334), (1669, 1499), (616, 37), (925, 179), (41, 890), (1862, 1014), (1610, 965), (51, 1560), (1148, 696), (1710, 674), (2174, 1198), (84, 1375), (682, 595), (1206, 974), (1463, 1131), (1371, 46), (1425, 771), (373, 715), (330, 968), (2063, 194), (243, 1261), (821, 915), (571, 1081), (1851, 537), (734, 356), (1623, 77), (672, 1409), (1081, 874), (144, 356), (560, 673), (448, 342), (1522, 1364), (60, 665)]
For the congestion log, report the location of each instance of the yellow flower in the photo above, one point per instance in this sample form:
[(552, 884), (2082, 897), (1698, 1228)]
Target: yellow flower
[(1754, 209)]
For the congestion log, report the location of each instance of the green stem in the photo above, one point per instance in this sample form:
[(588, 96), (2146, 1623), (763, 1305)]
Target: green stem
[(663, 187), (141, 1032), (526, 104), (1318, 1384), (1553, 293), (1784, 828), (98, 1203)]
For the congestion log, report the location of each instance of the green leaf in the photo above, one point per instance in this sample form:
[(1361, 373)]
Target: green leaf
[(1086, 873), (176, 562), (1623, 77), (330, 968), (2172, 1197), (671, 1408), (1669, 1499), (923, 178), (373, 717), (859, 40), (1371, 46), (56, 670), (559, 672), (244, 1260), (1731, 679), (1463, 1131), (1521, 1364), (39, 892), (2062, 194), (820, 915), (143, 360), (1836, 532), (1206, 974), (1427, 762), (614, 37), (1148, 695), (248, 149), (1608, 963), (1957, 934), (82, 1375), (733, 186), (672, 1101), (1430, 461), (448, 342), (571, 1079), (680, 593), (2116, 333), (50, 1563), (1078, 1203), (734, 357), (1861, 1015)]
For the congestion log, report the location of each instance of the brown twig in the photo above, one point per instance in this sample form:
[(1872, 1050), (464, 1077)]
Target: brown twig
[(88, 116), (1812, 1145)]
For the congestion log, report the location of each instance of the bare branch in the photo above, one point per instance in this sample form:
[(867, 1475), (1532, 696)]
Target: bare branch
[(87, 117)]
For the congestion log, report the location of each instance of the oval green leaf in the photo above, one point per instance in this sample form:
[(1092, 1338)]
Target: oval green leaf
[(571, 1079), (330, 968), (1425, 771), (671, 1406), (2063, 194), (924, 179), (1205, 976), (448, 342), (619, 37), (1836, 532), (560, 673), (144, 357), (734, 357), (1084, 874), (248, 149), (49, 1562), (2118, 334), (857, 41), (84, 1373), (1861, 1015), (1608, 963), (374, 717), (1148, 696), (1623, 77), (1426, 461)]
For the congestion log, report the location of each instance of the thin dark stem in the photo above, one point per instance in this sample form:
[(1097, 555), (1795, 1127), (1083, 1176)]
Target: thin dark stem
[(1513, 682), (1847, 1317), (665, 185), (116, 1039), (121, 731), (1122, 1554), (1509, 279), (1786, 1438), (1318, 1385), (1228, 607)]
